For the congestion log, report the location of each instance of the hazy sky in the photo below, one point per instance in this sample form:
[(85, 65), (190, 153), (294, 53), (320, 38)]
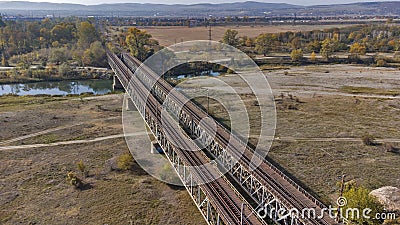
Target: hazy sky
[(297, 2)]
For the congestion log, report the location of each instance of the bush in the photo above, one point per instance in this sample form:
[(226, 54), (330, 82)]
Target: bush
[(64, 69), (369, 140), (82, 168), (296, 55), (125, 161), (390, 148), (73, 180), (381, 63), (359, 197)]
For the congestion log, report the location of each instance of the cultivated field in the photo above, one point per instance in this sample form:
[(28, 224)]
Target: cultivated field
[(171, 35)]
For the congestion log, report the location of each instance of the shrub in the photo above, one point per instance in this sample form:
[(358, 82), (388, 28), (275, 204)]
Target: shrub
[(296, 55), (125, 161), (73, 180), (390, 148), (313, 57), (82, 168), (369, 140), (359, 197), (381, 63)]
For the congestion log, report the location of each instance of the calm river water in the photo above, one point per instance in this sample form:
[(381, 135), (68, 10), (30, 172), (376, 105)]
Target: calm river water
[(58, 87)]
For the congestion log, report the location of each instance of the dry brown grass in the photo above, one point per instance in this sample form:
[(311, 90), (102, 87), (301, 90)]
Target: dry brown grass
[(322, 138), (34, 189), (171, 35)]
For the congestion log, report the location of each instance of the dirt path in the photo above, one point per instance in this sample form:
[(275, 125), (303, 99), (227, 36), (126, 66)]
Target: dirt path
[(52, 130), (2, 148), (384, 140)]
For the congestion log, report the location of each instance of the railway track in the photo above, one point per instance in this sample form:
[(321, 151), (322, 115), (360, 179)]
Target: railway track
[(286, 190), (228, 204)]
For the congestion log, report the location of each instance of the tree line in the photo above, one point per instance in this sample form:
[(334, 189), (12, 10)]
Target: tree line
[(356, 40), (58, 41)]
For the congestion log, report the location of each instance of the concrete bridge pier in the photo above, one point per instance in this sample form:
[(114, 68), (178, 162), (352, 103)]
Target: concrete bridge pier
[(117, 84), (129, 105)]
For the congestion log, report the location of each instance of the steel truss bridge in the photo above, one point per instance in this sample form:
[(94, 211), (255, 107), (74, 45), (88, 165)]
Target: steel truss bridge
[(220, 202)]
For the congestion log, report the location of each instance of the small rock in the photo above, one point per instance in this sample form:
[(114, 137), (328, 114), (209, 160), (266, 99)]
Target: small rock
[(111, 164)]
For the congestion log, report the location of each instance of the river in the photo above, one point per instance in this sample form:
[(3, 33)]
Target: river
[(97, 87)]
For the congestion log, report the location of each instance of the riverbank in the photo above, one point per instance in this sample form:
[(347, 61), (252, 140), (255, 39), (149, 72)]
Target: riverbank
[(31, 75), (27, 80), (63, 87)]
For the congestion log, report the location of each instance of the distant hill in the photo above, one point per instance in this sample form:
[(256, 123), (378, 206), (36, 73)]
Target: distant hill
[(249, 8)]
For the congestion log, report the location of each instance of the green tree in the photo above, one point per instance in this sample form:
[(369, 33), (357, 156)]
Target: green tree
[(359, 197), (87, 34), (58, 55), (265, 43), (328, 48), (64, 69), (230, 37), (139, 43), (314, 46), (64, 32), (95, 55)]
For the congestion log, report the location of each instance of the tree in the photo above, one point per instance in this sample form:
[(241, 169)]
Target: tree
[(58, 55), (314, 46), (230, 37), (358, 49), (296, 54), (264, 43), (139, 43), (64, 32), (64, 69), (358, 197), (95, 55), (313, 57), (87, 34), (328, 48), (4, 61), (295, 43)]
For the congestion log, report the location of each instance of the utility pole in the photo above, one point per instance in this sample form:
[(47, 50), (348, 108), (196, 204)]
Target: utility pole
[(208, 102), (341, 195), (209, 32)]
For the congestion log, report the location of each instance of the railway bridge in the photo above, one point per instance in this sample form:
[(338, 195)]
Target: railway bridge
[(221, 192)]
